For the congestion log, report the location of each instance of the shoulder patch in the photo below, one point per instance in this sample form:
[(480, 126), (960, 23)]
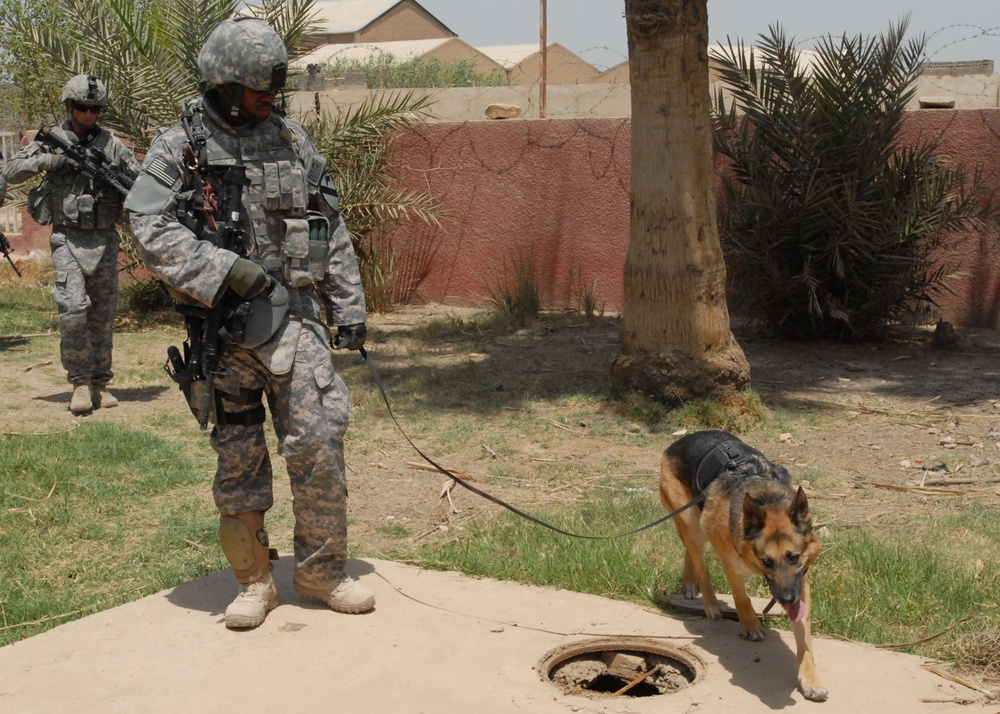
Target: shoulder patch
[(163, 172), (328, 190)]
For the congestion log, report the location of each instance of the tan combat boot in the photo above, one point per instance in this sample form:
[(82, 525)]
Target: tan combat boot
[(345, 595), (251, 606), (102, 398), (81, 402), (244, 543)]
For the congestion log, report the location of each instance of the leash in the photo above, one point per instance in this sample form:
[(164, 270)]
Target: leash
[(493, 499)]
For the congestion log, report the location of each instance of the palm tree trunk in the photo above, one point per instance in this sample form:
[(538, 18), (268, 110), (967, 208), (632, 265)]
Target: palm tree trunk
[(676, 338)]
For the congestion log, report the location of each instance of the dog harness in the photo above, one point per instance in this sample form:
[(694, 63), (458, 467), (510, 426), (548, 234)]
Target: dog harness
[(731, 456)]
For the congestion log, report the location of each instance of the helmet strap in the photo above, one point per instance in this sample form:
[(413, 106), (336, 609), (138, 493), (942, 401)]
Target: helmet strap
[(228, 98)]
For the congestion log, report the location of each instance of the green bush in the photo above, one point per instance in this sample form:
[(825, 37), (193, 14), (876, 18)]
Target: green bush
[(830, 223), (386, 72)]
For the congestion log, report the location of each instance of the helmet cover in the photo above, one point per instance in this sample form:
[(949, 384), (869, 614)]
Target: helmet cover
[(85, 89), (244, 51)]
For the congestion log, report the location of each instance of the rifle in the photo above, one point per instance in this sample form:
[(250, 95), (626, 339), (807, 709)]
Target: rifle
[(5, 249), (93, 163), (208, 328)]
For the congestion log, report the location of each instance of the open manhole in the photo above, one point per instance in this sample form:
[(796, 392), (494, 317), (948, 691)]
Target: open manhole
[(621, 666)]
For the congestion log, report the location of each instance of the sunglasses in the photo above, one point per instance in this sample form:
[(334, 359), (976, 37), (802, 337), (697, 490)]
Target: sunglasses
[(87, 109)]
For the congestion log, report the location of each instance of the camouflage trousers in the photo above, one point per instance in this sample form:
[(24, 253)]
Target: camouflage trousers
[(310, 410), (87, 302)]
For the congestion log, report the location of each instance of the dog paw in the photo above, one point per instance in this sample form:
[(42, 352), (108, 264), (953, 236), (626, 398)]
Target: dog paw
[(752, 634), (690, 592), (814, 692), (712, 610)]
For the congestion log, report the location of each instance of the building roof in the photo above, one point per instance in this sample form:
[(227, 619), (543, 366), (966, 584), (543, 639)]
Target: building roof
[(342, 16), (509, 56), (401, 50), (807, 58)]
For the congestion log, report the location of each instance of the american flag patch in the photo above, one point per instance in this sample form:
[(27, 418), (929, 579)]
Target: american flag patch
[(162, 171)]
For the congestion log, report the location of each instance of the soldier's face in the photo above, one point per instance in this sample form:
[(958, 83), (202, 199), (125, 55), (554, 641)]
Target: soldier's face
[(258, 104), (82, 116)]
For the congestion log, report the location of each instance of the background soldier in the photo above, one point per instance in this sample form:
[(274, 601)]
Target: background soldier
[(84, 241), (293, 250)]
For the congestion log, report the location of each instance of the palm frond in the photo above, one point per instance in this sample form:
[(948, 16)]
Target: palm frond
[(831, 225)]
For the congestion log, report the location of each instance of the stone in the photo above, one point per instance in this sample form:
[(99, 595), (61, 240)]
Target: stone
[(503, 111)]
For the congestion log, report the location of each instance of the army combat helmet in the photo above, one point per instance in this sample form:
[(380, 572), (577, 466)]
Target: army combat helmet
[(244, 51), (85, 89)]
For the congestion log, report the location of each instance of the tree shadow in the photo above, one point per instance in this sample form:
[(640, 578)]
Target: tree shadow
[(563, 355)]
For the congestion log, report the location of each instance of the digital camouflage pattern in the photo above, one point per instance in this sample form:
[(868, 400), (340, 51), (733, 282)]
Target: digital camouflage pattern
[(310, 411), (87, 304), (309, 403), (85, 89), (244, 51), (84, 244)]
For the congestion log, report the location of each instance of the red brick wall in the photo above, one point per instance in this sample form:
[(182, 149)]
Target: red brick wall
[(555, 191), (559, 190)]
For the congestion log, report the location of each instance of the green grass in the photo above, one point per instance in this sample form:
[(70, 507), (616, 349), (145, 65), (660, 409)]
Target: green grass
[(105, 514), (94, 518), (27, 309), (866, 587)]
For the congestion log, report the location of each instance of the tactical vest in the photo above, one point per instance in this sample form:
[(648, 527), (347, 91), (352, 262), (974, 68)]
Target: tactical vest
[(71, 199), (283, 235)]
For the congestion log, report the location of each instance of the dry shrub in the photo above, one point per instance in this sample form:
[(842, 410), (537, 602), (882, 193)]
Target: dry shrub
[(979, 652)]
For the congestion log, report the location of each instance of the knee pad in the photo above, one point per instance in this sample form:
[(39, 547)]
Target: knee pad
[(245, 545)]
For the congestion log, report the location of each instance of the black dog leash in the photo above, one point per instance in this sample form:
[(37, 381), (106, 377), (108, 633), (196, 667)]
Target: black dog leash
[(493, 499)]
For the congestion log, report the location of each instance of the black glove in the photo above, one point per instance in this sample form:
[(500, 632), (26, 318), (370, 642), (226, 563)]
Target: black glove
[(350, 337), (247, 279)]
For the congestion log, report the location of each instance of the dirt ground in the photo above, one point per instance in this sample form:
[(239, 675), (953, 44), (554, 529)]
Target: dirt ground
[(879, 435), (898, 426)]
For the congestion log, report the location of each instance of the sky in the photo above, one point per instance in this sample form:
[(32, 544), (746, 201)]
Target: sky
[(595, 29)]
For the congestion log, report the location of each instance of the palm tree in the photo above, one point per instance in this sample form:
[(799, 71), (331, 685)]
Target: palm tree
[(832, 224), (146, 52), (676, 339)]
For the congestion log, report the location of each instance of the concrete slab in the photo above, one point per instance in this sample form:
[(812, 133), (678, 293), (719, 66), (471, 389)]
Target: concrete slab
[(437, 641)]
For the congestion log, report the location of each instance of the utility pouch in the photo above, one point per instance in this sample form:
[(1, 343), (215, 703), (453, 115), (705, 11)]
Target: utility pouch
[(295, 253), (38, 204), (107, 208), (308, 265)]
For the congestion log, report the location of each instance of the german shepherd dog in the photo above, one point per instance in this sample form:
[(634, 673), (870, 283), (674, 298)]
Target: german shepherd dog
[(757, 524)]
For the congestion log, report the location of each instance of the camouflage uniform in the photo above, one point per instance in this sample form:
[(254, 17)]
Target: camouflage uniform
[(309, 403), (84, 245)]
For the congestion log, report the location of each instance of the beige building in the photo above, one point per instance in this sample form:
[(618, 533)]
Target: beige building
[(615, 75), (523, 64), (446, 50), (353, 21), (385, 26)]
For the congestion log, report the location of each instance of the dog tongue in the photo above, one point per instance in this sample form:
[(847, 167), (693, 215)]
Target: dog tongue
[(796, 611)]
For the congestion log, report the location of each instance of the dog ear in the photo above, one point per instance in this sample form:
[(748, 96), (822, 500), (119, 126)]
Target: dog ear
[(753, 518), (799, 512)]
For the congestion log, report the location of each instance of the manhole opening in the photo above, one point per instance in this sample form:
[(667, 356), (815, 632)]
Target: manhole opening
[(625, 667)]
